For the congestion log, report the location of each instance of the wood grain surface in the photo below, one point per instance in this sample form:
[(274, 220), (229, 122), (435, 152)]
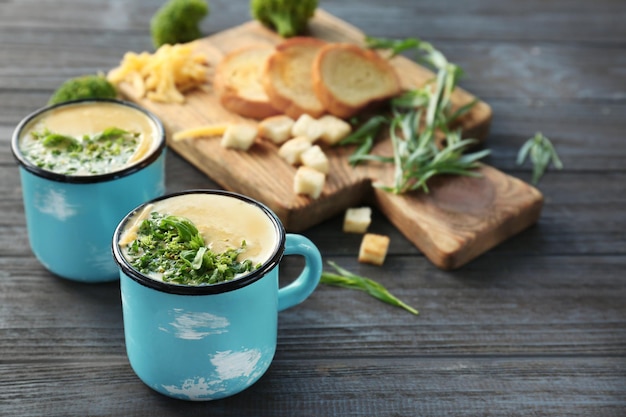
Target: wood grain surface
[(536, 326), (459, 220)]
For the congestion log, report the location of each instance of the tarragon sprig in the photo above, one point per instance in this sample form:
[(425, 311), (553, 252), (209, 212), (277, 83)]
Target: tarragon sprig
[(347, 279), (417, 158), (418, 116), (542, 152)]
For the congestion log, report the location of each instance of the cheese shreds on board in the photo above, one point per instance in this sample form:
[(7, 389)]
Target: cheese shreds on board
[(163, 76)]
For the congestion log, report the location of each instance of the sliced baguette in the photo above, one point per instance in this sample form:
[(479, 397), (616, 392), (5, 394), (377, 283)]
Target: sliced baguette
[(238, 82), (347, 78), (287, 77)]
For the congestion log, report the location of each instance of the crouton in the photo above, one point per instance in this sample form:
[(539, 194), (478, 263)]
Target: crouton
[(291, 150), (357, 219), (309, 181), (239, 136), (373, 249), (307, 127), (333, 129), (276, 128), (315, 158)]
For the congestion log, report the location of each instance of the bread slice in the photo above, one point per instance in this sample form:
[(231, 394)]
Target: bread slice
[(287, 77), (347, 78), (238, 83)]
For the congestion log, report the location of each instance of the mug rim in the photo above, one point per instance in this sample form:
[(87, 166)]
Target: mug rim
[(217, 288), (87, 179)]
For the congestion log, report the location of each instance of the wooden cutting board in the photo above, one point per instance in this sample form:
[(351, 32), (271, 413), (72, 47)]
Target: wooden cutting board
[(457, 221)]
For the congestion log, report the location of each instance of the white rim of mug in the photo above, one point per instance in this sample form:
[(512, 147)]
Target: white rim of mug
[(86, 179), (220, 287)]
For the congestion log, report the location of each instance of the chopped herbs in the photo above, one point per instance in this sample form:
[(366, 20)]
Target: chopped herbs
[(541, 152), (346, 279), (103, 152), (171, 248)]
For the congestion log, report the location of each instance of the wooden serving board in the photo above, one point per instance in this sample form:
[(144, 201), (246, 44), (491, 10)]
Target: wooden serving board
[(458, 220)]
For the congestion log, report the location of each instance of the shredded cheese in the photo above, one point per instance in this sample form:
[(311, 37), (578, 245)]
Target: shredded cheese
[(163, 76)]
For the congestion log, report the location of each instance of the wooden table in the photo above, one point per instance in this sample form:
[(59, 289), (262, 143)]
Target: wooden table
[(535, 326)]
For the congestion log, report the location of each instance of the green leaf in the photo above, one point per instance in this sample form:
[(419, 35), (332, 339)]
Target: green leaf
[(197, 260), (541, 152), (369, 129), (111, 133), (396, 46), (347, 279), (461, 111), (58, 140)]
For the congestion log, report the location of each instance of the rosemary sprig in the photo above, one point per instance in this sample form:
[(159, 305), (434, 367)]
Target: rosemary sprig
[(347, 279), (541, 152)]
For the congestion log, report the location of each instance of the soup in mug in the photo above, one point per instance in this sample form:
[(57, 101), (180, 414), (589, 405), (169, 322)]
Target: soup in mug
[(198, 239), (88, 138)]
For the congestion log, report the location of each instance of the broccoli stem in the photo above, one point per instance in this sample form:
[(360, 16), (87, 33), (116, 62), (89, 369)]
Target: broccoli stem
[(283, 24)]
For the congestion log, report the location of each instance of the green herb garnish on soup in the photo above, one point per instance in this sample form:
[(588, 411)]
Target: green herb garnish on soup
[(171, 249), (103, 152)]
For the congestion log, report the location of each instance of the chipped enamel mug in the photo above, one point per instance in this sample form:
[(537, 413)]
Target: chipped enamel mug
[(70, 218), (208, 342)]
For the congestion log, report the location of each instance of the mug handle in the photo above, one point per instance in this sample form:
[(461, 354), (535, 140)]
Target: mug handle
[(297, 291)]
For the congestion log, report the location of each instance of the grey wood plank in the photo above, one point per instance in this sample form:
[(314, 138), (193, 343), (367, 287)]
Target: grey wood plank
[(496, 306), (455, 386)]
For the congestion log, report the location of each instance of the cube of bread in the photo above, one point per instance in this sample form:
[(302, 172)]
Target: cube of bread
[(309, 181), (333, 129), (308, 127), (315, 158), (357, 219), (239, 136), (293, 149), (373, 249), (276, 128)]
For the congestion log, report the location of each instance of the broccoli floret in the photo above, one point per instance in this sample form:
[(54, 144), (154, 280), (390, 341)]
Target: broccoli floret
[(178, 21), (86, 86), (287, 17)]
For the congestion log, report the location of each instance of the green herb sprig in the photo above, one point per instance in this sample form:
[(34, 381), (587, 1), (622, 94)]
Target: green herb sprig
[(347, 279), (172, 247), (541, 152), (418, 116), (364, 137)]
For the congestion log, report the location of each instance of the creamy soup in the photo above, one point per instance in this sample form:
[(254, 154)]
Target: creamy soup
[(224, 224), (89, 138)]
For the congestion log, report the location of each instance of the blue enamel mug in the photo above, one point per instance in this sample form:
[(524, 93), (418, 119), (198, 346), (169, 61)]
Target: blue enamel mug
[(210, 341), (70, 218)]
